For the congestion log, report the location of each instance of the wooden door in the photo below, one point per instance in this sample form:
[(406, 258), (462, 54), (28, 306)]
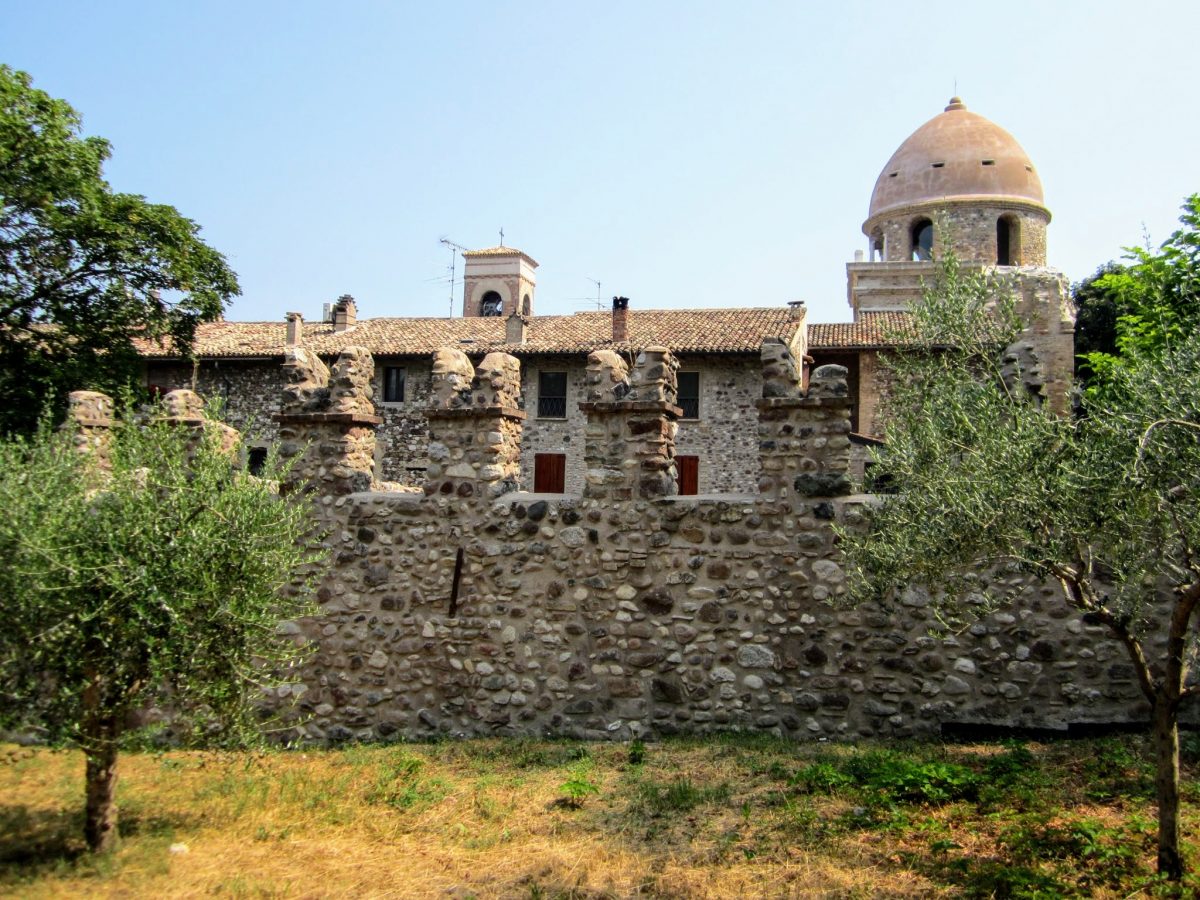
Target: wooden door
[(549, 473), (689, 474)]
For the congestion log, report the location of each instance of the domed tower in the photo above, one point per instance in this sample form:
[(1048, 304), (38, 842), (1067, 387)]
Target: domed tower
[(961, 181)]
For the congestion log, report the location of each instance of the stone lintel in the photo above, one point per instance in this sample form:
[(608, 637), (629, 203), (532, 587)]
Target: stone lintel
[(327, 419), (90, 422), (475, 412), (632, 406), (801, 402)]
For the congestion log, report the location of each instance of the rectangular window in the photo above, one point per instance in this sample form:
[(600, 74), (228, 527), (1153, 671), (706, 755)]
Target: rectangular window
[(689, 394), (688, 468), (552, 395), (393, 384), (549, 473)]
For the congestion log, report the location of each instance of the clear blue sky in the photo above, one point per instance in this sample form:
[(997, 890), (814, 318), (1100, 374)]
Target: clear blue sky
[(685, 154)]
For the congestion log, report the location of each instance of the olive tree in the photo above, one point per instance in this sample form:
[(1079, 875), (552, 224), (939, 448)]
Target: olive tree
[(1105, 505), (141, 565)]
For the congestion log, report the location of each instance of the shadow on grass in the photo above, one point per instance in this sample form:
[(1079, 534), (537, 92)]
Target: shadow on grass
[(35, 843)]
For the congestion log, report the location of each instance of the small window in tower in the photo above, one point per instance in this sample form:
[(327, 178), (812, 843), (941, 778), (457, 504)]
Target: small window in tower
[(922, 240), (892, 174), (988, 162), (393, 384), (1028, 168), (938, 165), (552, 395), (526, 305), (688, 394), (491, 304), (1008, 241)]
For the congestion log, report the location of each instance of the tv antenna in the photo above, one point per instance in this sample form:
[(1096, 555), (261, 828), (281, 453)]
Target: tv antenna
[(599, 302), (455, 249)]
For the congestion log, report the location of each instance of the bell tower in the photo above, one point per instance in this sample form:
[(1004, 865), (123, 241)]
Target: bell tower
[(498, 281)]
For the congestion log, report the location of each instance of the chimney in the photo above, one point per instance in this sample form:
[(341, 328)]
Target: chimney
[(295, 329), (515, 329), (344, 313), (620, 319), (798, 309)]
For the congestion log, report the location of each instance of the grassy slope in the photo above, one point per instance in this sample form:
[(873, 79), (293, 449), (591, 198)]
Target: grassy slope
[(725, 817)]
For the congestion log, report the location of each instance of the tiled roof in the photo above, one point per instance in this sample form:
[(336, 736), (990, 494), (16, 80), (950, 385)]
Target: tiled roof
[(499, 251), (873, 329), (683, 330)]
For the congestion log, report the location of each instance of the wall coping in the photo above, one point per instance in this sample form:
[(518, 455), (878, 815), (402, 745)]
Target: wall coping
[(800, 402), (328, 418), (469, 412), (631, 406)]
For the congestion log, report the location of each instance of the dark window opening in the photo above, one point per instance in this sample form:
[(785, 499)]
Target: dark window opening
[(688, 469), (938, 165), (526, 305), (256, 460), (552, 395), (989, 162), (1008, 242), (688, 395), (393, 384), (491, 304), (549, 473), (892, 174), (922, 240), (877, 246)]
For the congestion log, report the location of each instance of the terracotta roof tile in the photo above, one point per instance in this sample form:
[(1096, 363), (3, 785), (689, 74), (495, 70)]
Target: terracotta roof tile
[(873, 329), (683, 330), (499, 251)]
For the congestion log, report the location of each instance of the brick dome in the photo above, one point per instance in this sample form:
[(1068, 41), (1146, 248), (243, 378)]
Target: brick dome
[(956, 155)]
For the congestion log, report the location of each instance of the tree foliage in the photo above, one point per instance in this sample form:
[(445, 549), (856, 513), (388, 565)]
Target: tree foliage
[(989, 479), (158, 581), (1156, 297), (84, 271)]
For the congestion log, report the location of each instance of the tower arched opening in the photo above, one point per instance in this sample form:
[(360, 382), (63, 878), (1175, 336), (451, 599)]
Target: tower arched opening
[(1008, 241), (921, 240), (491, 304)]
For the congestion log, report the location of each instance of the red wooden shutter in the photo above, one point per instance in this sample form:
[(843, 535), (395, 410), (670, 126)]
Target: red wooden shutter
[(549, 473), (689, 474)]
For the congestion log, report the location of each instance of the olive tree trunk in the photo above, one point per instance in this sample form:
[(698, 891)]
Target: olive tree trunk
[(100, 825)]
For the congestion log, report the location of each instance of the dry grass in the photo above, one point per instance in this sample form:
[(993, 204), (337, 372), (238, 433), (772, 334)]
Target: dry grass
[(725, 817)]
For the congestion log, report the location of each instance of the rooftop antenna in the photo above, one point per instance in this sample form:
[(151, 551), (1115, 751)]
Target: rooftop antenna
[(455, 249), (501, 235), (599, 302)]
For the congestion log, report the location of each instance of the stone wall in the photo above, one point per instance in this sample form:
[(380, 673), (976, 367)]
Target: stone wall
[(723, 436), (476, 609)]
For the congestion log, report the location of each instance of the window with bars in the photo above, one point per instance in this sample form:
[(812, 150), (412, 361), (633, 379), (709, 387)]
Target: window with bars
[(688, 395), (552, 395), (393, 384)]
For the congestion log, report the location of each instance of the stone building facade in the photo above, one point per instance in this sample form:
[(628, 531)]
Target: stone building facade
[(625, 609), (959, 181)]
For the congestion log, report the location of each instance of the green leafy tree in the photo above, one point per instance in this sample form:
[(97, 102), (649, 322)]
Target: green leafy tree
[(1155, 296), (161, 578), (1097, 309), (989, 480), (84, 271)]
